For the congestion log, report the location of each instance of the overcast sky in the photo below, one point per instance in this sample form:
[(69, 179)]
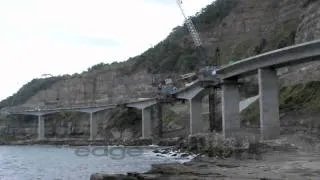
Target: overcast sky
[(68, 36)]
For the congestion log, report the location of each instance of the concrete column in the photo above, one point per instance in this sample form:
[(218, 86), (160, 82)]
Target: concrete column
[(41, 129), (195, 110), (93, 127), (230, 108), (159, 119), (146, 122), (269, 104)]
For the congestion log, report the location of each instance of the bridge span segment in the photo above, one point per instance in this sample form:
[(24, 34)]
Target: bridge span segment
[(265, 65), (42, 112)]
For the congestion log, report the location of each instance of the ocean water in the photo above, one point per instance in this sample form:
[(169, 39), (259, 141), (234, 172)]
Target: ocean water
[(67, 163)]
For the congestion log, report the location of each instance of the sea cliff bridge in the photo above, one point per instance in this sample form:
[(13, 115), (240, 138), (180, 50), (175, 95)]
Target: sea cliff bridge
[(264, 65)]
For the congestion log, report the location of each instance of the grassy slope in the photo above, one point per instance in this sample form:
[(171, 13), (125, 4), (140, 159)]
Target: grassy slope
[(301, 99), (29, 89)]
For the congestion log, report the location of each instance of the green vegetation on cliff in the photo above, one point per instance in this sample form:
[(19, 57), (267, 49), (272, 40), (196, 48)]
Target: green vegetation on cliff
[(300, 98), (28, 90), (177, 52), (124, 118)]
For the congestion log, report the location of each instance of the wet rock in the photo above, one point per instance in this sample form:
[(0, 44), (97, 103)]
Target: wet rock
[(165, 152), (149, 176), (111, 177), (284, 147), (170, 141), (3, 143), (196, 143), (139, 142), (257, 148), (183, 145), (170, 169), (144, 176), (203, 165), (184, 155), (156, 151), (227, 165)]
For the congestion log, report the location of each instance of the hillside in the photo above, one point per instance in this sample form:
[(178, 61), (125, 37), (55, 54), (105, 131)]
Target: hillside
[(230, 30)]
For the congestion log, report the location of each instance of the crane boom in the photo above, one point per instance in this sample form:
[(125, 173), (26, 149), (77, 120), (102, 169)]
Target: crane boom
[(214, 122), (194, 34), (191, 27)]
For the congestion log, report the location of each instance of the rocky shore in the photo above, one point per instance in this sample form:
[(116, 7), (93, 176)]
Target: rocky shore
[(272, 166), (290, 157), (293, 156)]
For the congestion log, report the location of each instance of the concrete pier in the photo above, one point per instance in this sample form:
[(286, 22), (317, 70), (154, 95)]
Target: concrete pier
[(230, 108), (41, 128), (146, 108), (93, 127), (269, 104), (146, 122), (195, 110)]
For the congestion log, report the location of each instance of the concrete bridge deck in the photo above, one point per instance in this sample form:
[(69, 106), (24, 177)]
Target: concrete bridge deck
[(297, 54), (265, 65)]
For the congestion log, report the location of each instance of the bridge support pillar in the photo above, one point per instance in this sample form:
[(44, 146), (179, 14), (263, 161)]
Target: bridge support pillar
[(230, 108), (269, 104), (157, 124), (93, 127), (41, 128), (146, 122), (195, 110)]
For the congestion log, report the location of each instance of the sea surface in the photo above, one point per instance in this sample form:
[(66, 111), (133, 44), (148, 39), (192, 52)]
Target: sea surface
[(67, 163)]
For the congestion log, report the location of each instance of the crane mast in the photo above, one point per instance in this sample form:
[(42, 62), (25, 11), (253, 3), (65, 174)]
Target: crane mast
[(195, 36), (214, 124), (191, 27)]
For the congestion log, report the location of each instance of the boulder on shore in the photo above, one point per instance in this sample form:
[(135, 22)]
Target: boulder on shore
[(98, 176)]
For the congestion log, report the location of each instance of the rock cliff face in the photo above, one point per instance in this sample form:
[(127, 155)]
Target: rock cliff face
[(308, 30), (108, 85), (309, 27), (251, 27)]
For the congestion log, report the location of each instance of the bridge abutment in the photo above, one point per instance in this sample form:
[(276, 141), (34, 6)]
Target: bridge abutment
[(230, 108), (269, 104)]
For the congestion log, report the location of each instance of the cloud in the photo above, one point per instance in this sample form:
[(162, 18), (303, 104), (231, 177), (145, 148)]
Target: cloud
[(96, 41), (167, 2), (86, 40)]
